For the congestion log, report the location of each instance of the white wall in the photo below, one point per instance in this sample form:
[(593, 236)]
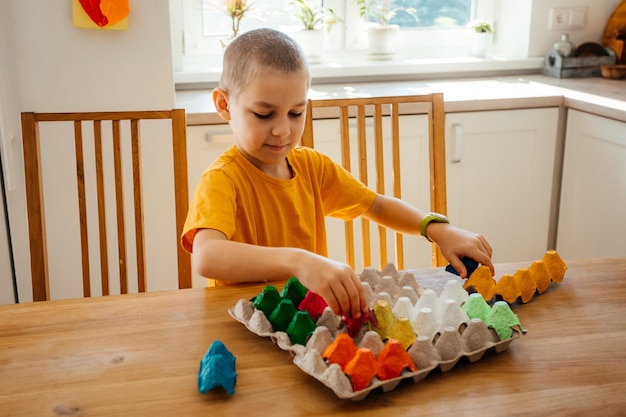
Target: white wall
[(542, 38), (523, 28), (48, 65), (6, 278), (512, 28)]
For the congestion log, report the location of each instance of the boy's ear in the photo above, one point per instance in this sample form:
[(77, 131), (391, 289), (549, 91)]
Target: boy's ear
[(220, 99)]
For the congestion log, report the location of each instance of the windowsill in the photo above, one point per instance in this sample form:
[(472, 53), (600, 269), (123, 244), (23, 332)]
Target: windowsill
[(358, 67)]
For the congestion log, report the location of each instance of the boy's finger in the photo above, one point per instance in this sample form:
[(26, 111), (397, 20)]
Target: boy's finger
[(459, 266), (343, 299), (354, 299), (331, 300), (359, 305)]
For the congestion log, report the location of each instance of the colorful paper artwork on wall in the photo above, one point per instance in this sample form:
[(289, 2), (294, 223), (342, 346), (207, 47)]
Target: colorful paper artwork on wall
[(100, 14)]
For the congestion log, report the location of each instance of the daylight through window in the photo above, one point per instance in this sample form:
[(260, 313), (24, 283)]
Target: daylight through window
[(205, 22)]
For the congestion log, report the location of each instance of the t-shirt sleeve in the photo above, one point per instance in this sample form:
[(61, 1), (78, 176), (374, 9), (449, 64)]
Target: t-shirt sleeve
[(345, 197), (213, 206)]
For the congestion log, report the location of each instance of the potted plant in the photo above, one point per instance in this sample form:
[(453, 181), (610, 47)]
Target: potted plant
[(236, 10), (382, 36), (479, 39), (315, 20)]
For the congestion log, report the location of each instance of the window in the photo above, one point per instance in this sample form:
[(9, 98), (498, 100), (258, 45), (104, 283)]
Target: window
[(434, 47), (430, 13), (263, 13), (204, 24)]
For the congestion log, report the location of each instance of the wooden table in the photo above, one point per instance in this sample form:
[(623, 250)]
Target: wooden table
[(139, 355)]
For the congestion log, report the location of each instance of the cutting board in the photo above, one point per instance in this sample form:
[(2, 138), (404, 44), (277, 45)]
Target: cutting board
[(615, 32)]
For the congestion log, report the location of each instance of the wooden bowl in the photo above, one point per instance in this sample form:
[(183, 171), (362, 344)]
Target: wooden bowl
[(615, 72)]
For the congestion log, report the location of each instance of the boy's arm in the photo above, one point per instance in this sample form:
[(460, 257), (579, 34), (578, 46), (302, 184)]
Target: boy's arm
[(216, 257), (454, 243)]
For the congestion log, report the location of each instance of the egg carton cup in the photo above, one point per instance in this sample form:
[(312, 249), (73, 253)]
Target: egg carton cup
[(451, 342)]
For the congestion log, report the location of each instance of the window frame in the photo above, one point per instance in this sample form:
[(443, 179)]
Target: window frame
[(423, 53)]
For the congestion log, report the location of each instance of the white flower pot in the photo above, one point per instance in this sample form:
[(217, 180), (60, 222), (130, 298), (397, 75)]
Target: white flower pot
[(382, 41), (312, 43), (478, 44)]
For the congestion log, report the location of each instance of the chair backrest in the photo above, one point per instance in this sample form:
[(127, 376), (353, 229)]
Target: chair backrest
[(123, 145), (386, 114)]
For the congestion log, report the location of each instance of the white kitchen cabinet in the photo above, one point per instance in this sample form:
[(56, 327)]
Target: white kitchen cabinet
[(204, 144), (500, 174), (592, 215)]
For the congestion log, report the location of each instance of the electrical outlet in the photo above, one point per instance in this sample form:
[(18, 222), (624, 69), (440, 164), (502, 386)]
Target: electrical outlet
[(567, 17), (559, 18), (577, 17)]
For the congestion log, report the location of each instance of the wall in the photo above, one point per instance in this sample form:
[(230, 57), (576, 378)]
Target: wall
[(6, 277), (542, 38), (512, 28), (47, 64), (523, 26)]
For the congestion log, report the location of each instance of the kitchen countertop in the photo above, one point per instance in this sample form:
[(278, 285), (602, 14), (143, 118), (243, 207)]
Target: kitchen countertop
[(598, 96)]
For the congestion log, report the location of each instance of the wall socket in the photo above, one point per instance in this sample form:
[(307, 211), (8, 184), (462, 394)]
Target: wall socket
[(568, 17)]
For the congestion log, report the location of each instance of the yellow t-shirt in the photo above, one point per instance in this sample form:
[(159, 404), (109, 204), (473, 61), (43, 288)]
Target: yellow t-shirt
[(236, 198)]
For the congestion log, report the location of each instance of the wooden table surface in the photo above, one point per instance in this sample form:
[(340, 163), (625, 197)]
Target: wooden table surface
[(139, 355)]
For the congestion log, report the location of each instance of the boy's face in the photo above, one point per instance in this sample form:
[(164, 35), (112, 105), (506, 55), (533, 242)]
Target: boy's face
[(267, 119)]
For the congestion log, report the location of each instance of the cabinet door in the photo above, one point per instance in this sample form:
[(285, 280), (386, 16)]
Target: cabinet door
[(204, 144), (592, 215), (500, 173)]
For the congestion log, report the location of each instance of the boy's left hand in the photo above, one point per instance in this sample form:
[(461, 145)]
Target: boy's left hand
[(456, 243)]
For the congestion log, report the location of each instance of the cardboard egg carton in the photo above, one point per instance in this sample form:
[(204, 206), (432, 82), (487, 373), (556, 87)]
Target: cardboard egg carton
[(429, 307), (524, 284)]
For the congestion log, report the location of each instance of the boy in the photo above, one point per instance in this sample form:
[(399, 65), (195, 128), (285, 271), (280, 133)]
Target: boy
[(258, 212)]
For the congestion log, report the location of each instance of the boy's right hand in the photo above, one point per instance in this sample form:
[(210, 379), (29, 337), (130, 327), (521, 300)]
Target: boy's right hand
[(335, 282)]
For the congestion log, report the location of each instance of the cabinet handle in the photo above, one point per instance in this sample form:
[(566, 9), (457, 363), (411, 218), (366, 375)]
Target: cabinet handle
[(219, 138), (457, 143)]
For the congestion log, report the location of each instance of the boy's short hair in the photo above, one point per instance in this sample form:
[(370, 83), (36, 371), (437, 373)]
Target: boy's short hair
[(249, 54)]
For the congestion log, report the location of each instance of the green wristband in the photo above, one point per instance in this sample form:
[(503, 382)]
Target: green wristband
[(431, 217)]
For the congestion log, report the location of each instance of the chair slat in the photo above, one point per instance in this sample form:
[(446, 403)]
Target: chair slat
[(138, 205), (438, 197), (397, 188), (363, 176), (119, 206), (344, 120), (380, 175), (102, 232), (179, 145), (82, 207), (307, 135)]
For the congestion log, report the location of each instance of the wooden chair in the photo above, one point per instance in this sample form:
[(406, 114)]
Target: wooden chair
[(125, 141), (385, 113)]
